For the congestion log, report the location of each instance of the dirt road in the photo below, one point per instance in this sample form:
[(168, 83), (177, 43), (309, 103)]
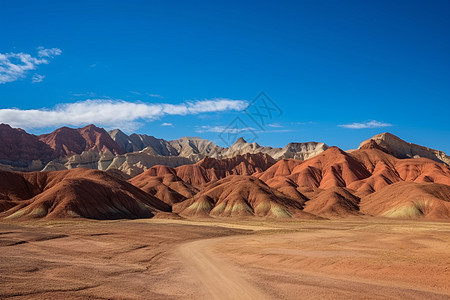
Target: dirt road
[(218, 278), (325, 261)]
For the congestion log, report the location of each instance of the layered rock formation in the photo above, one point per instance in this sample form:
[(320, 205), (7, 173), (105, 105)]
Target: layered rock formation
[(195, 147), (409, 200), (385, 177), (210, 169), (68, 141), (333, 184), (299, 151), (402, 149), (185, 147), (163, 183), (74, 193), (22, 151), (364, 182), (240, 196), (92, 147), (138, 142)]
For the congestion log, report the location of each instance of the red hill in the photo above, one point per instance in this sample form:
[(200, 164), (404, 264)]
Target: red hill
[(409, 200), (75, 193), (210, 169), (163, 183), (240, 196), (18, 146), (68, 141)]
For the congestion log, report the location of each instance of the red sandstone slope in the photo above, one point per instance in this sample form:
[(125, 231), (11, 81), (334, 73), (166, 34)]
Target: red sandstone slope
[(283, 167), (175, 185), (333, 202), (68, 141), (401, 149), (332, 183), (163, 183), (17, 145), (365, 171), (328, 185), (386, 169), (210, 169), (240, 196), (409, 200), (74, 193), (332, 167)]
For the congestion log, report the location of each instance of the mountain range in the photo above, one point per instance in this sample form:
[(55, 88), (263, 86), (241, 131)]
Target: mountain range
[(95, 148), (96, 176)]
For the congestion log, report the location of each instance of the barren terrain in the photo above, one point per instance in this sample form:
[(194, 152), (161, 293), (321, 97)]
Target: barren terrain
[(225, 259)]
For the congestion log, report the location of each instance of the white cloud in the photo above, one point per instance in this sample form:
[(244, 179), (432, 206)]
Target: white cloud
[(237, 129), (37, 78), (155, 96), (52, 52), (14, 66), (276, 131), (275, 125), (147, 94), (368, 124), (224, 129), (167, 124), (111, 113), (87, 95)]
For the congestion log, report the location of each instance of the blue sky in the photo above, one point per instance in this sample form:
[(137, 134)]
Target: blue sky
[(177, 68)]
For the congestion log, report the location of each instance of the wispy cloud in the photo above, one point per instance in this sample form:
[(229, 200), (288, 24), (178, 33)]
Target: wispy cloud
[(147, 94), (303, 123), (167, 124), (52, 52), (368, 124), (155, 96), (237, 129), (37, 78), (275, 125), (223, 129), (14, 66), (112, 113), (276, 131), (88, 95)]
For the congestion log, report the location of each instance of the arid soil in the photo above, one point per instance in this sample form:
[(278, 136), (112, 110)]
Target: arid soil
[(225, 259)]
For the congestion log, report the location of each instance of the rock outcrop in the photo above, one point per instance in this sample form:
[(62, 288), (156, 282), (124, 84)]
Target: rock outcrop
[(299, 151), (402, 149)]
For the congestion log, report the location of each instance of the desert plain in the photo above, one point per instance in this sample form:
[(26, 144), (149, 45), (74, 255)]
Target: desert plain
[(225, 259)]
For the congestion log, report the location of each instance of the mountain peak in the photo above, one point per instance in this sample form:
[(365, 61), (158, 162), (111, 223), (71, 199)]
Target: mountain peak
[(394, 145), (91, 127), (117, 132), (241, 140)]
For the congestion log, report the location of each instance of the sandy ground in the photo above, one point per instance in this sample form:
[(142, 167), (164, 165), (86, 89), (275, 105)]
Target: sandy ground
[(217, 259)]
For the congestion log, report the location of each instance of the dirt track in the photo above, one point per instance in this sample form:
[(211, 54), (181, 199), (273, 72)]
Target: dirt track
[(217, 277), (357, 261)]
